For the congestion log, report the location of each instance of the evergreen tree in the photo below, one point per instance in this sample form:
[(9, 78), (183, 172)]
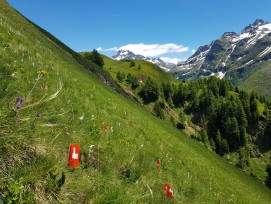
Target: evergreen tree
[(223, 88), (120, 76), (254, 111), (243, 158), (96, 58), (204, 138), (212, 144), (134, 82), (236, 89), (183, 119), (159, 111), (267, 131), (243, 136), (224, 147), (266, 111), (132, 64), (180, 95), (232, 132), (173, 121), (219, 145), (170, 102), (151, 90), (240, 115), (244, 98), (129, 78), (268, 178)]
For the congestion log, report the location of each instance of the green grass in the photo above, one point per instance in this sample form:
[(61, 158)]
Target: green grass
[(259, 80), (121, 167), (147, 69)]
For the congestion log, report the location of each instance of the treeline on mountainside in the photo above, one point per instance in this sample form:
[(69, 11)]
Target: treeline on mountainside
[(231, 120)]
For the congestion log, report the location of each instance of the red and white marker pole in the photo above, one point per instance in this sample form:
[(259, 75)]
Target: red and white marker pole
[(74, 153)]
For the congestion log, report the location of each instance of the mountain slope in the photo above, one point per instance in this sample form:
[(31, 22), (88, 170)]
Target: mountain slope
[(65, 103), (240, 58), (142, 68), (128, 55)]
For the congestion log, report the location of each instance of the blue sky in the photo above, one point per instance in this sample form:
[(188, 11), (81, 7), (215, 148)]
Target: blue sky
[(155, 28)]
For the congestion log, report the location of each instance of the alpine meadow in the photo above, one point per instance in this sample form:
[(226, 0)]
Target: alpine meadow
[(51, 97)]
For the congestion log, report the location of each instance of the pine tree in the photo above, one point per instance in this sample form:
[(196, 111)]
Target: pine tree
[(159, 111), (212, 144), (120, 76), (204, 138), (224, 147), (232, 132), (173, 121), (219, 145), (134, 82), (96, 58), (266, 111), (183, 119), (254, 111), (243, 136), (151, 90), (268, 177), (243, 158), (170, 102), (132, 64), (129, 78)]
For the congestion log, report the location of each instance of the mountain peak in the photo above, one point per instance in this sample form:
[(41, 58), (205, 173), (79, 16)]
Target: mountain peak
[(253, 27), (230, 52), (229, 34), (259, 22), (127, 54)]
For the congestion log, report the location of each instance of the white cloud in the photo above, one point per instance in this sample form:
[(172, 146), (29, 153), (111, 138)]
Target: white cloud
[(172, 60), (193, 51), (153, 50), (150, 50), (99, 49), (110, 49)]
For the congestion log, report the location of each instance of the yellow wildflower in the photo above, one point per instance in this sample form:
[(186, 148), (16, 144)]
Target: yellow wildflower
[(42, 72)]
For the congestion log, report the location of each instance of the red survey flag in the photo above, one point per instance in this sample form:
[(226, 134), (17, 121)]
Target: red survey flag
[(74, 154), (106, 128), (169, 192), (158, 164)]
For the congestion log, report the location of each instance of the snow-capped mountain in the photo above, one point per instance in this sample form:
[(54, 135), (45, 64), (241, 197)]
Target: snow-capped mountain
[(128, 55), (233, 56)]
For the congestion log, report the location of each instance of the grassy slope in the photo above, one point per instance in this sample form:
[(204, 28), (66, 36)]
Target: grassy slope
[(33, 146), (260, 80), (147, 69)]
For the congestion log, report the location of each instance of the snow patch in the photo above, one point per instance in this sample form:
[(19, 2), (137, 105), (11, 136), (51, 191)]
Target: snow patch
[(166, 69), (267, 50), (249, 62), (241, 37), (221, 75), (266, 27)]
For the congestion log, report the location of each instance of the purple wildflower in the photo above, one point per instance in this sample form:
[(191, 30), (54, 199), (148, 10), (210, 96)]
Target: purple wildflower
[(19, 106), (19, 99)]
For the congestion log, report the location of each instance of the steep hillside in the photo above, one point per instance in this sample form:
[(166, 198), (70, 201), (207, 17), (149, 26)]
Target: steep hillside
[(240, 58), (141, 69), (49, 100)]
